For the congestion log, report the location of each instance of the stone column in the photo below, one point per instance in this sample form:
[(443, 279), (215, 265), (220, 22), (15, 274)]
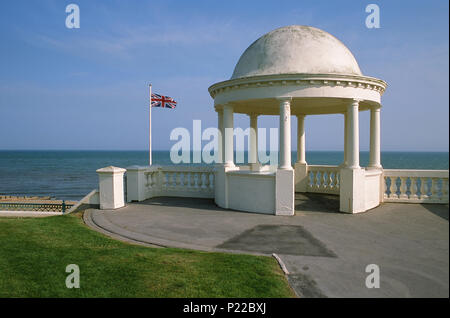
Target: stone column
[(301, 168), (221, 135), (374, 159), (285, 134), (345, 164), (284, 177), (301, 154), (352, 179), (228, 126), (111, 187), (253, 144), (353, 135)]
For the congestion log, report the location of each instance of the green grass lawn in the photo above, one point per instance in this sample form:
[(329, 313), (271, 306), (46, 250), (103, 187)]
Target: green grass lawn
[(34, 253)]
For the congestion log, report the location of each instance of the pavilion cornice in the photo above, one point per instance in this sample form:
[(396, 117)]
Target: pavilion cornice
[(307, 80)]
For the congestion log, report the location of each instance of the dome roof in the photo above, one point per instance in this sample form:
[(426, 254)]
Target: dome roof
[(296, 49)]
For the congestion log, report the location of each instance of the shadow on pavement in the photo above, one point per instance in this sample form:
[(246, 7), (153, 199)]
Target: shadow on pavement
[(195, 203), (440, 210), (316, 202)]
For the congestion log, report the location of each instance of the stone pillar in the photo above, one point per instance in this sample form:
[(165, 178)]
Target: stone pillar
[(221, 135), (301, 168), (228, 126), (353, 135), (136, 181), (374, 159), (111, 187), (253, 144), (285, 134), (301, 152), (352, 185), (284, 178), (345, 163)]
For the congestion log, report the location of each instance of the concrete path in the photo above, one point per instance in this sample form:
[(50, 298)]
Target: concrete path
[(325, 252)]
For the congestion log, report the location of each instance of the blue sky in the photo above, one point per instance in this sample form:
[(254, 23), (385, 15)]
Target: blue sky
[(87, 88)]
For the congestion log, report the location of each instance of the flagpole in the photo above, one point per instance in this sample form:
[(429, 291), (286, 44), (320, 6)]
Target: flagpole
[(150, 128)]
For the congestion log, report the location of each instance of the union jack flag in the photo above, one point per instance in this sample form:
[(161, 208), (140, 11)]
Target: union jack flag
[(163, 101)]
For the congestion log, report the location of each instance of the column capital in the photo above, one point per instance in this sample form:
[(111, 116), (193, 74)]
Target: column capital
[(375, 109), (227, 106), (284, 98)]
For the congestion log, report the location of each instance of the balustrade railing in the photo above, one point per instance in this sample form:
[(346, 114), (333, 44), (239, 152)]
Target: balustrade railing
[(323, 179), (418, 186), (180, 181)]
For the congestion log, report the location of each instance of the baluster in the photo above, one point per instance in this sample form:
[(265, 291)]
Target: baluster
[(169, 179), (424, 188), (196, 180), (315, 179), (413, 188), (191, 180), (205, 180), (394, 188), (318, 182), (185, 179), (178, 179), (330, 180), (434, 189), (319, 179), (211, 181), (387, 187), (403, 188), (165, 179), (323, 180), (173, 181)]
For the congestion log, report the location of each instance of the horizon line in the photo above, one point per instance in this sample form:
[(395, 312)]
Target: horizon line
[(318, 150)]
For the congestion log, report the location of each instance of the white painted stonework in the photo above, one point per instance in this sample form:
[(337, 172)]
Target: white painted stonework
[(111, 187), (291, 71)]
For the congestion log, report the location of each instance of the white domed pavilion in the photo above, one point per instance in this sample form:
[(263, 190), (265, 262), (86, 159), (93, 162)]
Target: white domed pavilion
[(300, 71)]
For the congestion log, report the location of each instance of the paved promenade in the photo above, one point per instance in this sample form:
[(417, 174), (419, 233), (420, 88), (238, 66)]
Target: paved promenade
[(325, 252)]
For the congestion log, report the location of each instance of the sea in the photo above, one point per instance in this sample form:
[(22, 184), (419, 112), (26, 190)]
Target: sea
[(70, 175)]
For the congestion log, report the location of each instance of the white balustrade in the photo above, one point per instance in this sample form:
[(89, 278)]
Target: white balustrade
[(416, 186), (413, 186), (179, 181), (323, 179)]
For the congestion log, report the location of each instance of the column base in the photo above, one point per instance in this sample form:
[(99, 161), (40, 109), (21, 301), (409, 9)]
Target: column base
[(229, 165), (301, 176), (352, 190), (284, 192)]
